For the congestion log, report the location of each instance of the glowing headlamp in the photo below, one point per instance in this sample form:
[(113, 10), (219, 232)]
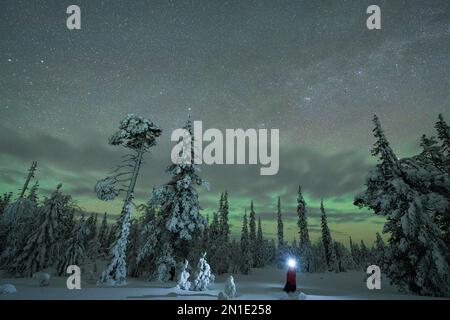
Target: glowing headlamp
[(291, 263)]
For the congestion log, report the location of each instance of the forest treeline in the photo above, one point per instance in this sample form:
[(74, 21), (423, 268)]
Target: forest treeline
[(412, 193)]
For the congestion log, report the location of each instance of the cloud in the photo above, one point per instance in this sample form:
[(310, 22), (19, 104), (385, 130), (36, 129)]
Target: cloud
[(79, 165)]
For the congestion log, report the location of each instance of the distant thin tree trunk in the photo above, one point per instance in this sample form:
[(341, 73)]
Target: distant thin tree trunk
[(29, 176)]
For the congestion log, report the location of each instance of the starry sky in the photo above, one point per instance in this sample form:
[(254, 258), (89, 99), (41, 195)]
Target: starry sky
[(308, 68)]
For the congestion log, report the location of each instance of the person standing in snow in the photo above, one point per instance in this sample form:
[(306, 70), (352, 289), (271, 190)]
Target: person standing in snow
[(291, 279)]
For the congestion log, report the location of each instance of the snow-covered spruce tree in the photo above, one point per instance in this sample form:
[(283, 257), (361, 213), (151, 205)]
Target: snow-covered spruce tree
[(225, 228), (230, 288), (138, 135), (177, 201), (74, 250), (41, 248), (304, 245), (165, 263), (203, 276), (326, 235), (252, 233), (246, 256), (280, 228), (151, 241), (259, 247), (205, 235), (402, 191), (443, 130), (435, 161), (223, 248), (5, 200), (215, 241), (281, 245), (183, 278)]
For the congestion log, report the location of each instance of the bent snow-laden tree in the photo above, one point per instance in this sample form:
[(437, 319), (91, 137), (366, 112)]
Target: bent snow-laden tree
[(139, 135), (410, 194), (41, 248)]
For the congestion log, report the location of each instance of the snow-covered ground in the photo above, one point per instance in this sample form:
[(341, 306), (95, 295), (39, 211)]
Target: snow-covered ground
[(261, 284)]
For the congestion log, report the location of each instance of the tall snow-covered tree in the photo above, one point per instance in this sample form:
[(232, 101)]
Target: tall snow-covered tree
[(138, 135), (326, 235), (215, 241), (259, 247), (280, 227), (177, 200), (435, 161), (224, 237), (40, 250), (179, 222), (252, 233), (403, 191), (304, 244), (225, 228), (246, 256)]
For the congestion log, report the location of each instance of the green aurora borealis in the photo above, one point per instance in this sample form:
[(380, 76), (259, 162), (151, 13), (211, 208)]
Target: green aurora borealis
[(308, 68)]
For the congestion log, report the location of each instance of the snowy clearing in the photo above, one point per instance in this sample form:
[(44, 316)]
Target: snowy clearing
[(262, 284)]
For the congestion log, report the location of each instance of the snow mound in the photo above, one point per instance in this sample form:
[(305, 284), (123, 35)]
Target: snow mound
[(7, 289), (42, 278)]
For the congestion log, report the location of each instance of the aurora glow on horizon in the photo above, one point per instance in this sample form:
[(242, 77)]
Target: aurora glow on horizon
[(308, 68)]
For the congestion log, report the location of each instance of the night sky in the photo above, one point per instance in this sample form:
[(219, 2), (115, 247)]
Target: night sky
[(309, 68)]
